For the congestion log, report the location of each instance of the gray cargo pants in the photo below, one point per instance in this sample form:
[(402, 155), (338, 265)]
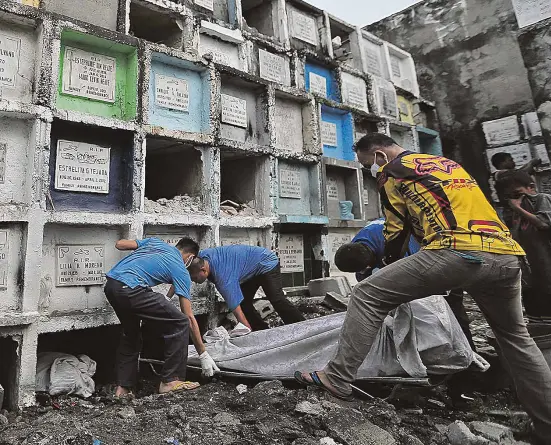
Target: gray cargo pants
[(495, 286)]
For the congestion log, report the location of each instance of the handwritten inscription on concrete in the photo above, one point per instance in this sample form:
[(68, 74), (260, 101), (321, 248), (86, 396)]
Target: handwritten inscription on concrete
[(332, 188), (272, 66), (82, 167), (373, 61), (171, 92), (291, 253), (80, 265), (329, 134), (4, 260), (354, 91), (234, 111), (318, 84), (89, 75), (9, 60), (304, 28), (289, 183), (395, 66)]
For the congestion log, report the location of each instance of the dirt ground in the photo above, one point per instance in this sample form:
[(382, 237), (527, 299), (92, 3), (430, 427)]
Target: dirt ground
[(268, 413)]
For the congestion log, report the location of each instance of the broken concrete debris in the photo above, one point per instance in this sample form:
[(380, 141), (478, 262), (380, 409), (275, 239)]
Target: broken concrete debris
[(180, 203), (233, 209)]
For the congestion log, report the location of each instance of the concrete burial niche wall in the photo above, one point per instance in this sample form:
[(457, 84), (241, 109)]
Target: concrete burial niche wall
[(321, 81), (222, 10), (173, 170), (250, 237), (337, 133), (261, 16), (91, 168), (245, 180), (10, 351), (342, 185), (375, 58), (12, 263), (370, 197), (97, 12), (289, 125), (300, 253), (224, 53), (298, 188), (97, 76), (74, 262), (244, 111), (16, 160), (404, 137), (18, 45), (179, 95), (155, 24), (304, 28), (429, 141)]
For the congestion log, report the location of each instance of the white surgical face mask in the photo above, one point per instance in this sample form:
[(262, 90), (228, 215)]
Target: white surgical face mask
[(375, 167)]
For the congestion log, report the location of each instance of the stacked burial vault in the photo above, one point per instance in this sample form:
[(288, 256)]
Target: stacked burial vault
[(140, 118)]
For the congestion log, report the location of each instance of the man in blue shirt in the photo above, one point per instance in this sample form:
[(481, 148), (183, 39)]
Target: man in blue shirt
[(128, 290), (364, 255), (237, 272)]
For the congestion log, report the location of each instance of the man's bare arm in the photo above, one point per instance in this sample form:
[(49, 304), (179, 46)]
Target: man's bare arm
[(126, 244), (238, 312), (185, 306)]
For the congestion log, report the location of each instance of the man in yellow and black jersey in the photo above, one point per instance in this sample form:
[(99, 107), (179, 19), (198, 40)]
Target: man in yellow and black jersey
[(464, 245)]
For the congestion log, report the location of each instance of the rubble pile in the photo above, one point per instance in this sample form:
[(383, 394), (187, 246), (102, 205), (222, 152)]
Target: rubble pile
[(181, 203), (234, 209)]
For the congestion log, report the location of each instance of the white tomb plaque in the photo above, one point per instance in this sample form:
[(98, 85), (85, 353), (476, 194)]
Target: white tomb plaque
[(501, 131), (366, 196), (82, 167), (89, 75), (234, 111), (531, 124), (529, 12), (395, 66), (520, 152), (332, 189), (9, 60), (355, 95), (4, 248), (329, 134), (304, 28), (80, 265), (318, 84), (171, 92), (289, 183), (541, 152), (3, 151), (222, 53), (207, 4), (272, 66), (373, 62), (291, 253)]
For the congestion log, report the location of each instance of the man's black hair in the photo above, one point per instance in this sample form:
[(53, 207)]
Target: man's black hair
[(187, 245), (512, 179), (500, 157), (196, 265), (354, 257), (374, 140)]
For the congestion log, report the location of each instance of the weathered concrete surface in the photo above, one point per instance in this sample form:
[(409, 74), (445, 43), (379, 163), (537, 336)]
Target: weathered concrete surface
[(468, 62)]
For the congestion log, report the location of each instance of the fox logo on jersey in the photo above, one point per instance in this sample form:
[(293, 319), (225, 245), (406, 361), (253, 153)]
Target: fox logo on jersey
[(424, 166)]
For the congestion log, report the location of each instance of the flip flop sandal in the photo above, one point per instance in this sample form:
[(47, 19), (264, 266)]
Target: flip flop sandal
[(183, 386), (316, 381)]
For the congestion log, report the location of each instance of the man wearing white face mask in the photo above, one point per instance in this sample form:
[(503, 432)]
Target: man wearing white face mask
[(464, 245)]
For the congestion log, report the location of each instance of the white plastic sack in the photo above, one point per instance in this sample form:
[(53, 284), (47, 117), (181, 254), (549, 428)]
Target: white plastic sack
[(58, 373)]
